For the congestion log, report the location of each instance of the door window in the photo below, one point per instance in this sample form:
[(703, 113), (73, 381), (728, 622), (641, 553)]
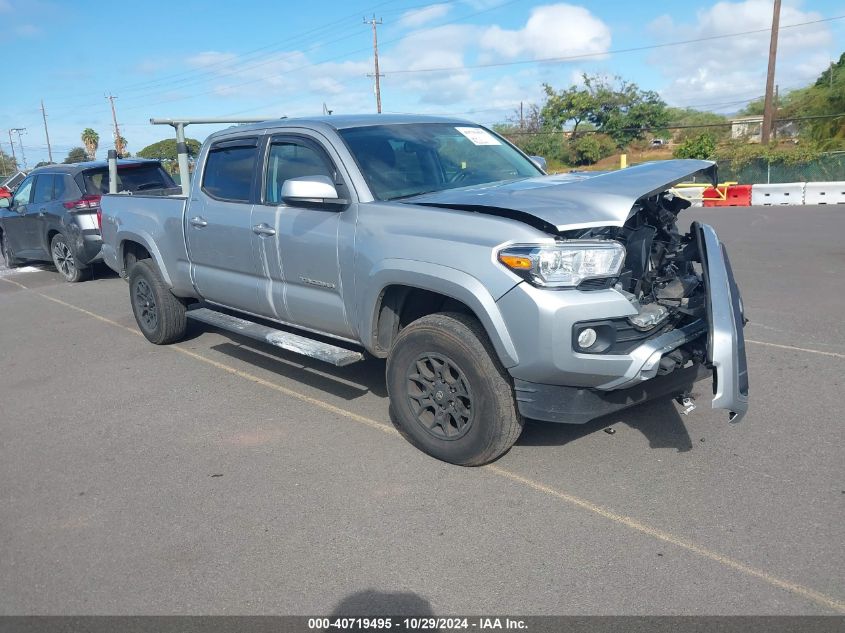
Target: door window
[(43, 189), (22, 195), (292, 160), (229, 171)]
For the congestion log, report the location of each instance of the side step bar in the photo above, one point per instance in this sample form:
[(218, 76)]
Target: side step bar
[(338, 356)]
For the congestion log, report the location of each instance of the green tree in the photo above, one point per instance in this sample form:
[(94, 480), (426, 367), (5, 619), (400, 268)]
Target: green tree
[(166, 150), (590, 148), (8, 166), (702, 146), (91, 140), (43, 163), (615, 107), (76, 155)]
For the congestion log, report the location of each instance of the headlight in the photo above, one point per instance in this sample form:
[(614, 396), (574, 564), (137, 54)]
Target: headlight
[(566, 264)]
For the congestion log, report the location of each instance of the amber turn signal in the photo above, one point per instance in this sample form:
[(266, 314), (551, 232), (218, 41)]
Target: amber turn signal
[(515, 262)]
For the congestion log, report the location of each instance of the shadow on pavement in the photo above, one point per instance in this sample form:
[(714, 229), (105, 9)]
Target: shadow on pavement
[(658, 421), (372, 603), (348, 383)]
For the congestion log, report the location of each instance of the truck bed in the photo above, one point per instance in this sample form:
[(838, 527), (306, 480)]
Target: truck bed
[(156, 222)]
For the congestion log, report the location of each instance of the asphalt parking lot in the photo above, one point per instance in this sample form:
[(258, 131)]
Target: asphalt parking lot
[(220, 476)]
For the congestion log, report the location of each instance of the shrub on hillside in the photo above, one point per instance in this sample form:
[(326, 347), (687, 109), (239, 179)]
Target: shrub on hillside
[(702, 146)]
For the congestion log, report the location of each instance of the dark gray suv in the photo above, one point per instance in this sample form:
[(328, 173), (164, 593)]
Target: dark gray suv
[(54, 214)]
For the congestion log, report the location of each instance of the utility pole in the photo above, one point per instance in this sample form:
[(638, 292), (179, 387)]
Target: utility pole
[(521, 119), (831, 74), (20, 142), (12, 145), (118, 144), (377, 75), (46, 132), (768, 107)]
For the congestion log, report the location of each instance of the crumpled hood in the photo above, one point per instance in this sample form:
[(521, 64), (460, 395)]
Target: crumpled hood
[(572, 201)]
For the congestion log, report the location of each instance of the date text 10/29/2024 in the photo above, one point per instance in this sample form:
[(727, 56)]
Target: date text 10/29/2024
[(416, 624)]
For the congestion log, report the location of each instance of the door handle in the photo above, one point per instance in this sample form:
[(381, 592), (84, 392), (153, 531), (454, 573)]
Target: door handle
[(198, 222), (263, 230)]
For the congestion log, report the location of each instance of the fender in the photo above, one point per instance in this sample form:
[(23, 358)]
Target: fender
[(441, 279), (144, 239)]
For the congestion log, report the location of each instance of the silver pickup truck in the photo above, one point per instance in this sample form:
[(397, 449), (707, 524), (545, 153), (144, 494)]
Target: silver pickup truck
[(495, 292)]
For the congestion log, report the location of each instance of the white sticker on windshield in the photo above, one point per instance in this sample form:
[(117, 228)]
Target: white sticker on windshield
[(478, 136)]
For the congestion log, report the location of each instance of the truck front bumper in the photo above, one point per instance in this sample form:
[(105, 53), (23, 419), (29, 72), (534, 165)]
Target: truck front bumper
[(556, 383)]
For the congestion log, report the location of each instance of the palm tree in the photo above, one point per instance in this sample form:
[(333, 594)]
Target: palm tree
[(121, 145), (91, 140)]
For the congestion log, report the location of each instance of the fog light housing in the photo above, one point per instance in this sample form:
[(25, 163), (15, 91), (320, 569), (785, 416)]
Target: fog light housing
[(587, 338)]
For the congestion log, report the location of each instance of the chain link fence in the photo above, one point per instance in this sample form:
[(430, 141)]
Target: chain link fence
[(826, 168)]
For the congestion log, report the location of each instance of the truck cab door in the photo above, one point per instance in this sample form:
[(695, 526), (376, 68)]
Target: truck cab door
[(304, 255), (218, 227)]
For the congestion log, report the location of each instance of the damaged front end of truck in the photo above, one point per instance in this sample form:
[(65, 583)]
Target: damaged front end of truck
[(667, 315)]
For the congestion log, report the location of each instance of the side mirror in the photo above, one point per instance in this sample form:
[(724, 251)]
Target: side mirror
[(311, 189), (539, 161), (5, 203)]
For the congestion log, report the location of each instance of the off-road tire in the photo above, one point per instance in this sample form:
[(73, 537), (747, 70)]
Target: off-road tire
[(456, 341), (65, 261), (11, 261), (160, 315)]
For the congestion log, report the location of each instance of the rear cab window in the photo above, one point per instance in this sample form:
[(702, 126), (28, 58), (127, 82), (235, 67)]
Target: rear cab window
[(230, 169), (136, 178)]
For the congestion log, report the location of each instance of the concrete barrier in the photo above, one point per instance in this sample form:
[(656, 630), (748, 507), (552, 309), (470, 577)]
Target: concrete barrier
[(824, 193), (782, 193)]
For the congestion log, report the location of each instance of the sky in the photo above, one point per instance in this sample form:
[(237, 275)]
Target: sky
[(477, 59)]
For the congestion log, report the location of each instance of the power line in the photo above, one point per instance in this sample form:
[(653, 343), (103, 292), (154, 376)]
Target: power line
[(553, 60), (678, 127)]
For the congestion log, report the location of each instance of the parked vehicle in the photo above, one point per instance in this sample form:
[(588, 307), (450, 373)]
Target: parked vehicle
[(496, 293), (54, 214)]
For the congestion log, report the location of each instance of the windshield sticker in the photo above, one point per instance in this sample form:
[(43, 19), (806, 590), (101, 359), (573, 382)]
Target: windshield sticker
[(478, 136)]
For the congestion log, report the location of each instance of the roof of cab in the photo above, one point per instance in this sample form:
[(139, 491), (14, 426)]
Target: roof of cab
[(342, 122)]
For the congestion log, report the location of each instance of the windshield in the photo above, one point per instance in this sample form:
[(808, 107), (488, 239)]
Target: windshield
[(399, 161), (134, 177)]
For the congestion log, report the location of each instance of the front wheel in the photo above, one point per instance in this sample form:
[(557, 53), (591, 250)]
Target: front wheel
[(160, 316), (449, 394), (64, 261)]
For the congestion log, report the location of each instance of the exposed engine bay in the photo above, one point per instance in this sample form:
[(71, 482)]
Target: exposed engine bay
[(661, 277)]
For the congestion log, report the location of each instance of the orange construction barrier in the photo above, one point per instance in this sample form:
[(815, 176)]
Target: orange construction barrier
[(727, 196)]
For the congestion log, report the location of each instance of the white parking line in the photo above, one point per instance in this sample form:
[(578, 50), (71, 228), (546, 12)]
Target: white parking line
[(796, 349)]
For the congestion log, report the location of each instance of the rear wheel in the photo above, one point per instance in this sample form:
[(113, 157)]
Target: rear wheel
[(64, 260), (449, 394), (160, 316), (10, 259)]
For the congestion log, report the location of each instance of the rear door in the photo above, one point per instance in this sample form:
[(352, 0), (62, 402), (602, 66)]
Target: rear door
[(301, 256), (218, 227), (36, 214)]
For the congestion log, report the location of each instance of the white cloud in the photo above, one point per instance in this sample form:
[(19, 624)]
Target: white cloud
[(555, 30), (416, 18), (734, 68), (5, 6)]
